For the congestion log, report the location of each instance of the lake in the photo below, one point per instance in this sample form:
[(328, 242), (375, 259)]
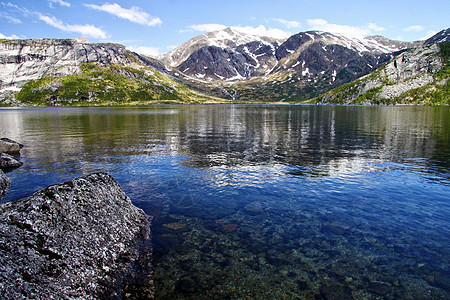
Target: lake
[(264, 201)]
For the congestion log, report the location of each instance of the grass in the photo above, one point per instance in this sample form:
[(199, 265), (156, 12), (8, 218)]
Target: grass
[(108, 85)]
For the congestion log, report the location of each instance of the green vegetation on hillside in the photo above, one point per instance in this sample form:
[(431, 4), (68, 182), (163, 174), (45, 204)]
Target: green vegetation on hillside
[(108, 85), (286, 87), (434, 93), (445, 52)]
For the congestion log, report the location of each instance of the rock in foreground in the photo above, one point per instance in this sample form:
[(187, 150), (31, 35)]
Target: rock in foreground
[(8, 162), (9, 146), (4, 184), (77, 240)]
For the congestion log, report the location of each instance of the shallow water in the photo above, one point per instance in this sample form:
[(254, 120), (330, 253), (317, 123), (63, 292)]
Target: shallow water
[(265, 202)]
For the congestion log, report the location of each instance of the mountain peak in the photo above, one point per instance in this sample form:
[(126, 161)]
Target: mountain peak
[(440, 37), (224, 38)]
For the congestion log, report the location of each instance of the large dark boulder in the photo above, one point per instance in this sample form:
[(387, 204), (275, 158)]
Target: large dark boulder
[(76, 240), (4, 184)]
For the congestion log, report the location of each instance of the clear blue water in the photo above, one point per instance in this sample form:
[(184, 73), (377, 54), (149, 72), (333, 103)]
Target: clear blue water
[(265, 202)]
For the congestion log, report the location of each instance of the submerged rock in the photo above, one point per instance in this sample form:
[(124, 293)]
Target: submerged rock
[(379, 288), (336, 228), (79, 239), (228, 228), (336, 292), (8, 162), (4, 184)]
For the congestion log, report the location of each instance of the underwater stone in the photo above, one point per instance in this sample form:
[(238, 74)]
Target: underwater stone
[(228, 228), (76, 240), (186, 285), (336, 292), (443, 282), (379, 288), (336, 228)]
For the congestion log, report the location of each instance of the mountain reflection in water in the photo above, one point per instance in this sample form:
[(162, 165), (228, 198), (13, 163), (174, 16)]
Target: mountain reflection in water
[(261, 201)]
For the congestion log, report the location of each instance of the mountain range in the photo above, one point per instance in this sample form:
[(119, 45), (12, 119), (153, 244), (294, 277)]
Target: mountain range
[(224, 64)]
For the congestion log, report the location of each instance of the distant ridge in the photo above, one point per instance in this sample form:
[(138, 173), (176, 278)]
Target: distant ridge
[(227, 64)]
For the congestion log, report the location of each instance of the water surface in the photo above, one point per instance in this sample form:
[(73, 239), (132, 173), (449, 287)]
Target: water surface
[(265, 202)]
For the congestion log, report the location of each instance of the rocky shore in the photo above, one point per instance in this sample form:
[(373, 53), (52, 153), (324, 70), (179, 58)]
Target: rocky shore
[(4, 184), (8, 162), (82, 239), (8, 148)]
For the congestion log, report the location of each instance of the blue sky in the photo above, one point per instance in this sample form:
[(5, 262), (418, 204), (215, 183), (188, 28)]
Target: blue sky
[(156, 26)]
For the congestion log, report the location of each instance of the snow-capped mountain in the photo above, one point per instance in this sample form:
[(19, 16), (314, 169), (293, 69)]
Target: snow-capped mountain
[(314, 53), (230, 55), (230, 63), (372, 44), (226, 38)]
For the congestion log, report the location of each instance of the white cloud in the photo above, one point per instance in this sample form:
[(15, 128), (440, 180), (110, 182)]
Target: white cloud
[(60, 2), (288, 24), (10, 18), (85, 30), (415, 28), (151, 51), (23, 10), (9, 37), (429, 34), (134, 14), (261, 30), (374, 27), (205, 27), (350, 31)]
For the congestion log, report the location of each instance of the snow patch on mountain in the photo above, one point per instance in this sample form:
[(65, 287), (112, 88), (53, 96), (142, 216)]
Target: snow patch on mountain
[(226, 38)]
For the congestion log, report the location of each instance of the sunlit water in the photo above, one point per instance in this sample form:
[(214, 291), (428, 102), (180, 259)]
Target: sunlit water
[(265, 202)]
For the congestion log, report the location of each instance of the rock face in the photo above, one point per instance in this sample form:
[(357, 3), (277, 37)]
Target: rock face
[(408, 71), (4, 184), (76, 240), (25, 60), (411, 70), (442, 36)]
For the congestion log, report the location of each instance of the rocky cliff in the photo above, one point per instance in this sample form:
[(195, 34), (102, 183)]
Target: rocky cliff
[(77, 240), (418, 76), (68, 71), (25, 60)]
